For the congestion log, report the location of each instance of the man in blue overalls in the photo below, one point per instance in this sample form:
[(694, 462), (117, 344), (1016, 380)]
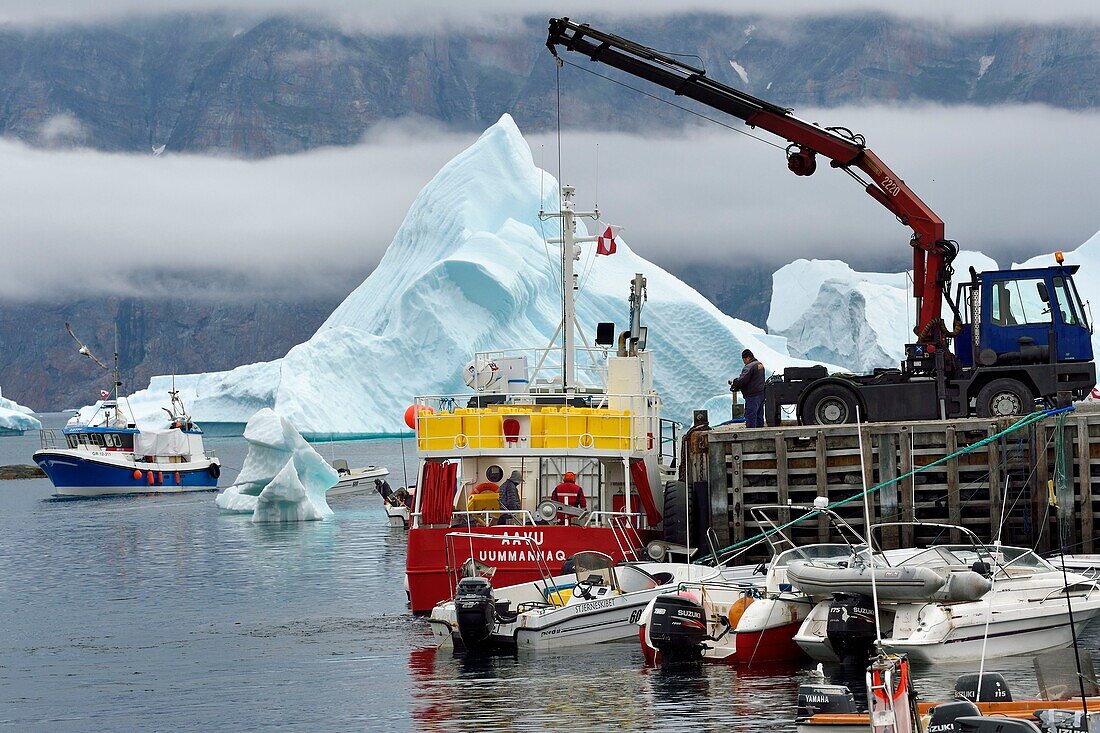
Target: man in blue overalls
[(751, 385)]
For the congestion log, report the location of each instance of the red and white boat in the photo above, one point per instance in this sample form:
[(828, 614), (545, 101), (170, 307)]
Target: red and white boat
[(529, 412), (742, 622)]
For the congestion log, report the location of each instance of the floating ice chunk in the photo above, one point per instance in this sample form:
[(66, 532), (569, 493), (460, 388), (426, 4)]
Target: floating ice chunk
[(16, 417), (283, 479)]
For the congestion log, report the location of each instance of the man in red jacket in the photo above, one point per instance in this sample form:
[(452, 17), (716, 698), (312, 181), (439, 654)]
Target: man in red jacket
[(568, 492)]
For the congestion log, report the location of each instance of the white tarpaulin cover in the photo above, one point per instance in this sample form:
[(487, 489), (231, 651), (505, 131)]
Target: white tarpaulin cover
[(161, 443), (283, 479)]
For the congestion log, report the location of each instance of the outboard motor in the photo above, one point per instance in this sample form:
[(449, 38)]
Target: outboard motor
[(850, 628), (993, 688), (945, 714), (814, 699), (995, 725), (678, 628), (475, 611)]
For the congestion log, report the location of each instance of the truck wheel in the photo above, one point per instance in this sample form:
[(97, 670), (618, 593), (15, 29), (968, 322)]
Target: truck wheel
[(830, 404), (1004, 398)]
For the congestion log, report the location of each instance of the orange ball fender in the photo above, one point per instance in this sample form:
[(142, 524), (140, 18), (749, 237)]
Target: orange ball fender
[(137, 475)]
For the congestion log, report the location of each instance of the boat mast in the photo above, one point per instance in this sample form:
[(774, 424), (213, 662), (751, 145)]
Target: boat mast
[(571, 252)]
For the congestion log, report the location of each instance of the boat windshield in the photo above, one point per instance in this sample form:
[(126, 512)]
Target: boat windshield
[(816, 552), (594, 568), (1006, 559)]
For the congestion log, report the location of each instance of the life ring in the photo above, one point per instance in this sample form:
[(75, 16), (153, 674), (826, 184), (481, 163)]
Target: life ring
[(485, 487), (215, 470), (587, 441), (903, 683), (461, 441)]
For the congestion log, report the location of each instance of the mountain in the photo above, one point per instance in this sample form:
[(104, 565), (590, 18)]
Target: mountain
[(258, 87), (469, 271), (188, 333)]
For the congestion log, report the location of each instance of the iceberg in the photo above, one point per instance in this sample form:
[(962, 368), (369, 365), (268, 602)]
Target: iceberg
[(829, 312), (15, 418), (469, 270), (283, 479)]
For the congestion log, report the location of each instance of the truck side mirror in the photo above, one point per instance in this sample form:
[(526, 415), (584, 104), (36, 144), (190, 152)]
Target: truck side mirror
[(1044, 294)]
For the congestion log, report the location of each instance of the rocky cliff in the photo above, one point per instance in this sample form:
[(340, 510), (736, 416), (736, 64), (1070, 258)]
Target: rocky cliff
[(279, 85)]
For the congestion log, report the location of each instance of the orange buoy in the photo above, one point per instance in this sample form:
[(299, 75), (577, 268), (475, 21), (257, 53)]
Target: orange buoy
[(177, 478), (411, 414), (737, 610), (160, 477), (149, 477), (137, 475)]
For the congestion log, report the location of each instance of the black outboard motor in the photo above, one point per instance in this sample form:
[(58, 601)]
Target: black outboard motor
[(475, 611), (678, 628), (995, 725), (851, 626), (945, 714), (993, 688), (814, 699)]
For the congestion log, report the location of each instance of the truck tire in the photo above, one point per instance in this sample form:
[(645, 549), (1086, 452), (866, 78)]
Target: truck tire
[(675, 513), (829, 404), (1004, 398)]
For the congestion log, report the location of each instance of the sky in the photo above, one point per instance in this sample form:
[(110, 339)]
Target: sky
[(417, 15), (1008, 181)]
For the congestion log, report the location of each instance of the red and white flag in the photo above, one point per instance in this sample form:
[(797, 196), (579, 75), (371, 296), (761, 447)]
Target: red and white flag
[(104, 394), (605, 243)]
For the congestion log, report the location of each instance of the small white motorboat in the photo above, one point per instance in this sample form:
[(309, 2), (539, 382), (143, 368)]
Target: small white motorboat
[(356, 480), (600, 601), (1024, 610)]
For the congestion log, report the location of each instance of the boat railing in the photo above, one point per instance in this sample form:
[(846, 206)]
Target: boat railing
[(484, 517), (47, 439), (621, 423), (590, 362), (453, 568)]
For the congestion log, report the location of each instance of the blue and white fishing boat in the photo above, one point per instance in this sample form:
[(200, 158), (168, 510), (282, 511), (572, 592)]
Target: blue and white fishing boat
[(106, 453)]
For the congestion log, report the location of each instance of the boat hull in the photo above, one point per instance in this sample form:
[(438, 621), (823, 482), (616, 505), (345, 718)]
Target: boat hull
[(1016, 632), (77, 475), (357, 482), (431, 575)]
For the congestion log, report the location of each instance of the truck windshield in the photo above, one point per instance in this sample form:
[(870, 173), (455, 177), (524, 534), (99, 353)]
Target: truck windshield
[(1065, 301), (1080, 305)]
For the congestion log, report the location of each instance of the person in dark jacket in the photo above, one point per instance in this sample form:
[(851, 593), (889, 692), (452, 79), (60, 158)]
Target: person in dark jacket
[(509, 496), (751, 385)]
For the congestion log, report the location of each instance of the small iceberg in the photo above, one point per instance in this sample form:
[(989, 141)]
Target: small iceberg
[(283, 479), (15, 419)]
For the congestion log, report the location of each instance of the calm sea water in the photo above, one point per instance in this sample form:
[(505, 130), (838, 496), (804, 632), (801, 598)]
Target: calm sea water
[(160, 613)]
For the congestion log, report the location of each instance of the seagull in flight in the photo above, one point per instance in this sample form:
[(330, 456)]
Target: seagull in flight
[(84, 349)]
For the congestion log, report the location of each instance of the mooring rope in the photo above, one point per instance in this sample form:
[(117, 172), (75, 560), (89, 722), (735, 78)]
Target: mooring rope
[(1018, 425)]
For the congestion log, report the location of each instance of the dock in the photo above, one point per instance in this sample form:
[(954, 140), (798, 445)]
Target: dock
[(1002, 485)]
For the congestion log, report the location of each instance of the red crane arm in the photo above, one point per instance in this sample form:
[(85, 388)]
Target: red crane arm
[(931, 254)]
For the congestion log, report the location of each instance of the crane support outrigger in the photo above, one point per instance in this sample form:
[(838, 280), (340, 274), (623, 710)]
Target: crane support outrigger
[(1023, 335)]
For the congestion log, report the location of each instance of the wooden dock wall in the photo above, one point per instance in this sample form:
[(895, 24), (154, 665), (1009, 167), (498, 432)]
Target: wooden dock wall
[(743, 468)]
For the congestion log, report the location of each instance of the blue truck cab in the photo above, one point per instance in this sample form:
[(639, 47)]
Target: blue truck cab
[(1017, 317)]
